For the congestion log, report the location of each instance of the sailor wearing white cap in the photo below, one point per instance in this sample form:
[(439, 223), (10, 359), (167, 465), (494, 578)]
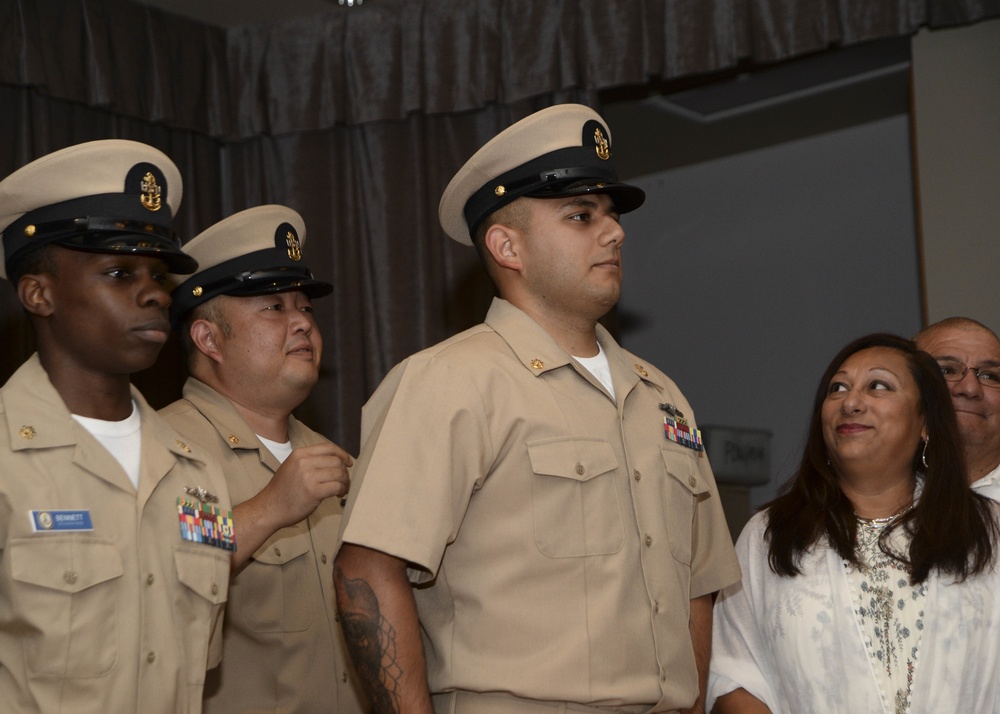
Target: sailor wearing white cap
[(253, 351), (543, 491), (115, 533)]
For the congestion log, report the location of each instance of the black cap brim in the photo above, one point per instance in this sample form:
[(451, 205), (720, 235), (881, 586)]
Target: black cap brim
[(625, 197)]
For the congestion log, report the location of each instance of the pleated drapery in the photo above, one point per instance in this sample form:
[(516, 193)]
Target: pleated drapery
[(388, 59)]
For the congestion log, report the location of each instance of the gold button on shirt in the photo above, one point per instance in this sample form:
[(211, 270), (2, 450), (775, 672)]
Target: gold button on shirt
[(511, 490), (282, 645), (127, 615)]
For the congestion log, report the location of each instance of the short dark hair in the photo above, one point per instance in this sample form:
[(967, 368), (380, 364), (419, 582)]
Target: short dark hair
[(515, 214), (952, 528), (210, 311), (33, 262)]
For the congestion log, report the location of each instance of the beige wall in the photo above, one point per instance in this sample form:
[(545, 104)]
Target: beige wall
[(956, 126)]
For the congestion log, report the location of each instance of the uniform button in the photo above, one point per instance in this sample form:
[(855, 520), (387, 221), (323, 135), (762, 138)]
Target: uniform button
[(637, 475), (277, 551), (323, 558), (149, 579), (656, 606), (579, 469), (344, 676), (215, 589), (692, 482), (151, 657), (70, 576), (649, 540)]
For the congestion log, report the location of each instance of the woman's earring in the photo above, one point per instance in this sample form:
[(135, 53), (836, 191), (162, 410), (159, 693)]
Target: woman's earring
[(923, 454)]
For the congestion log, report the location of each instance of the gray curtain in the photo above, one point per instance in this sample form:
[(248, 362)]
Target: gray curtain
[(358, 118)]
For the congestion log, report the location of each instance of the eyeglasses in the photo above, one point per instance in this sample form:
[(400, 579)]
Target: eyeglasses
[(954, 371)]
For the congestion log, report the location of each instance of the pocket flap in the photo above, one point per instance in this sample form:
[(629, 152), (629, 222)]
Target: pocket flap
[(67, 564), (285, 545), (681, 468), (573, 458), (204, 571)]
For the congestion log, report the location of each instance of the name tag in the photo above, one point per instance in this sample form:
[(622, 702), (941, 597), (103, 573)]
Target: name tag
[(48, 521)]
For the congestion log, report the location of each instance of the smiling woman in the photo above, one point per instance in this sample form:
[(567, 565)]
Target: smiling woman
[(874, 559), (872, 424)]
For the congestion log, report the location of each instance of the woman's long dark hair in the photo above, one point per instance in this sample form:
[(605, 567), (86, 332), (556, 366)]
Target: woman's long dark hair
[(952, 528)]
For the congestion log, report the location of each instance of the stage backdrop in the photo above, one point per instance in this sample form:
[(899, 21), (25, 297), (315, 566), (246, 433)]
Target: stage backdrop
[(358, 118)]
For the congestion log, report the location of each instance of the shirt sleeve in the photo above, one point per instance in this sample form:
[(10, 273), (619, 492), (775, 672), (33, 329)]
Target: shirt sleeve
[(427, 450), (713, 561), (714, 564), (739, 659)]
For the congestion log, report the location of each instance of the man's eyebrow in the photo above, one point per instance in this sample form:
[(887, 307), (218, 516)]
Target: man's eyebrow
[(952, 358), (580, 201), (588, 201)]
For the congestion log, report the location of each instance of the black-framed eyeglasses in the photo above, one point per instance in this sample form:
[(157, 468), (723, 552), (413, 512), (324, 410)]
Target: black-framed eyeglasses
[(955, 371)]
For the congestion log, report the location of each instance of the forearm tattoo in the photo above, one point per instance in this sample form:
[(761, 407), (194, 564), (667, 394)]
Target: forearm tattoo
[(371, 641)]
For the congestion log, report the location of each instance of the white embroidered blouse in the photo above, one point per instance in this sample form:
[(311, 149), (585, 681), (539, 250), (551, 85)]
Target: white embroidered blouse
[(840, 639)]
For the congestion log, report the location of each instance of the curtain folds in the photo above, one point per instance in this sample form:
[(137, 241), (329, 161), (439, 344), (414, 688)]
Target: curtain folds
[(358, 118), (369, 196), (387, 59)]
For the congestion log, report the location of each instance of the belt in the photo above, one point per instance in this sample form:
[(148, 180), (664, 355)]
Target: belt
[(500, 703)]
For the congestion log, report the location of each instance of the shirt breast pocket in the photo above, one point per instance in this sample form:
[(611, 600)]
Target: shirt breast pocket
[(66, 588), (684, 487), (270, 590), (204, 573), (574, 497)]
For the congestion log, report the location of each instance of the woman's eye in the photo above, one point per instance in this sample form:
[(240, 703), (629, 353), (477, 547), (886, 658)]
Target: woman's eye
[(838, 387)]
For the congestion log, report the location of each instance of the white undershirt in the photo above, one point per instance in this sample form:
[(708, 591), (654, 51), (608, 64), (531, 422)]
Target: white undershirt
[(280, 451), (599, 367), (122, 438)]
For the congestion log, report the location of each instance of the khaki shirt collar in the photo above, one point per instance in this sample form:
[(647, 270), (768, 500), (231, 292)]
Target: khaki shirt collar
[(37, 417), (233, 428), (539, 352)]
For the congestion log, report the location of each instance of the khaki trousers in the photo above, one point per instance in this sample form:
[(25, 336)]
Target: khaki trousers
[(498, 703)]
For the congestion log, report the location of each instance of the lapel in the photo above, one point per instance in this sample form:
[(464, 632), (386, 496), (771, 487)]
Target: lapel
[(539, 353), (162, 450), (38, 419), (228, 422)]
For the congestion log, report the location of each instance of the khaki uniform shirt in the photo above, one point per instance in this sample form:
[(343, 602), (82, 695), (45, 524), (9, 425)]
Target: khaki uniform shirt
[(555, 535), (283, 647), (116, 619)]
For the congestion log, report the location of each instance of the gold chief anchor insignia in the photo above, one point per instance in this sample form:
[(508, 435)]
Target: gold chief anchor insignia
[(294, 247), (603, 152), (151, 199)]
